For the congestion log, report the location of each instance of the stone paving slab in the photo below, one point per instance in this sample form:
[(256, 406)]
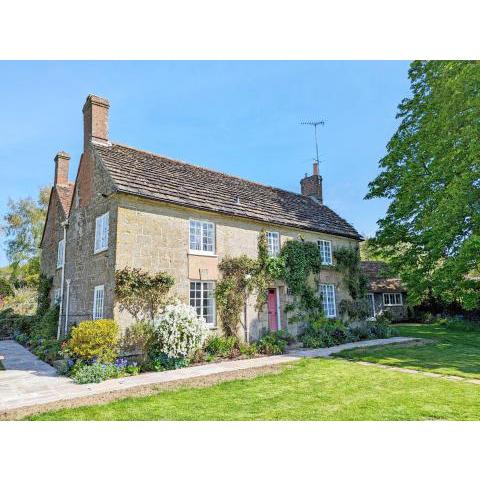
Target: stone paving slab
[(28, 381)]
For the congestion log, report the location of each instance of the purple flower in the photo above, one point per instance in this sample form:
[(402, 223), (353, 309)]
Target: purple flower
[(121, 363)]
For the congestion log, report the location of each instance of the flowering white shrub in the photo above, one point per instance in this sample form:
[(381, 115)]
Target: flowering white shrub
[(180, 331)]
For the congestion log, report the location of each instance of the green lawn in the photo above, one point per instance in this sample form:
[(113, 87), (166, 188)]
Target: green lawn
[(313, 389), (326, 389), (450, 353)]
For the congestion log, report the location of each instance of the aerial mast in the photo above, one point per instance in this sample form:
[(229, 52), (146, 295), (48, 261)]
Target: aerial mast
[(315, 124)]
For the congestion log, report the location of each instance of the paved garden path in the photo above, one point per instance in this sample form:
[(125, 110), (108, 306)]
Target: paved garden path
[(27, 381)]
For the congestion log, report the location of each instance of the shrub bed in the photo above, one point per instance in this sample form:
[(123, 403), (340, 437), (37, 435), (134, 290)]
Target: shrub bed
[(321, 332)]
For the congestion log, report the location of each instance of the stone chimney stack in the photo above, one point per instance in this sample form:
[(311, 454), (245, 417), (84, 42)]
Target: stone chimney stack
[(312, 186), (62, 160), (95, 121)]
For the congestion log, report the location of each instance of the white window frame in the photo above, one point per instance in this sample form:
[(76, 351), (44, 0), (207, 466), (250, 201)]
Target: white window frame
[(203, 224), (213, 323), (325, 247), (325, 299), (371, 297), (60, 253), (387, 298), (57, 296), (273, 243), (98, 293), (101, 233)]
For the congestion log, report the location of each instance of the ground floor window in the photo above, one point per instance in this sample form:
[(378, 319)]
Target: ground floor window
[(98, 302), (57, 295), (371, 304), (392, 299), (202, 298), (327, 292)]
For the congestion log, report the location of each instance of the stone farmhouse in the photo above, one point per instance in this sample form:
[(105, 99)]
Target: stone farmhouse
[(129, 207)]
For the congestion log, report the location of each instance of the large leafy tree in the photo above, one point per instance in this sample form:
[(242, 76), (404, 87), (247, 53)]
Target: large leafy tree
[(23, 225), (431, 174)]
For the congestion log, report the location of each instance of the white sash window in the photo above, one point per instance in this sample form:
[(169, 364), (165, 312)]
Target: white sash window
[(325, 247), (98, 302), (327, 292)]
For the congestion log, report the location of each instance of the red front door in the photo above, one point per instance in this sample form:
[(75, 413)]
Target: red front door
[(272, 309)]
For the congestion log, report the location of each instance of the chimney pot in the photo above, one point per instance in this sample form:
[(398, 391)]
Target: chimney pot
[(62, 161)]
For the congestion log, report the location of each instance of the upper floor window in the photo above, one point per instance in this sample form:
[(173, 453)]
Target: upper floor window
[(202, 298), (327, 291), (392, 299), (101, 233), (98, 301), (202, 237), (325, 247), (60, 253), (273, 241)]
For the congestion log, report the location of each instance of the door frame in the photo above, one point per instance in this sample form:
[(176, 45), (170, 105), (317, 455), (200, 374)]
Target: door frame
[(277, 304)]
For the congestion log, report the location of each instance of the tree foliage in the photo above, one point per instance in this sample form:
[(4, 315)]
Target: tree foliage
[(23, 226), (431, 174), (141, 293)]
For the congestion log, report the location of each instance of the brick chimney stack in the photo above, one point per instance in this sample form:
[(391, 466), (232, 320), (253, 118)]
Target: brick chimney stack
[(95, 121), (62, 160), (312, 186)]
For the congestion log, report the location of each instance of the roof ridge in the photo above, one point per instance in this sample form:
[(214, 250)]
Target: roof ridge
[(211, 170)]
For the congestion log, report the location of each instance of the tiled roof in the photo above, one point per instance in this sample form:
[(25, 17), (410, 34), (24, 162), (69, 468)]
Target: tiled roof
[(152, 176), (65, 193), (378, 281)]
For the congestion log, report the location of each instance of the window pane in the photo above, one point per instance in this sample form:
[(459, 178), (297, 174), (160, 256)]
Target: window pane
[(203, 300), (202, 236), (273, 242), (325, 248), (327, 292)]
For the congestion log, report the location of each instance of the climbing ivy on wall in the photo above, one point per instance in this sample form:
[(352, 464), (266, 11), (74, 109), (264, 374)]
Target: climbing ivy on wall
[(241, 277), (348, 262), (298, 265), (232, 291)]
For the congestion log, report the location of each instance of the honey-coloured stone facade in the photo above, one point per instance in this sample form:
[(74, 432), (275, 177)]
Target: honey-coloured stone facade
[(155, 237)]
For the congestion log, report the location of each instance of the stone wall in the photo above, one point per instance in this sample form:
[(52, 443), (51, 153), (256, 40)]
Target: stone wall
[(52, 235), (154, 236), (83, 268)]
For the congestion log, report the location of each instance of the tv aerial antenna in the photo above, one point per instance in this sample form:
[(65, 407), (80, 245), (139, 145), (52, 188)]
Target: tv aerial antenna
[(315, 124)]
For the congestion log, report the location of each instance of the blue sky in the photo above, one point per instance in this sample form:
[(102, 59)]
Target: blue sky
[(238, 117)]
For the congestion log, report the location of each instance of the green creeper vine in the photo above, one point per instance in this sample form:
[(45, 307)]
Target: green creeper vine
[(241, 277), (298, 264), (348, 262), (302, 262)]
